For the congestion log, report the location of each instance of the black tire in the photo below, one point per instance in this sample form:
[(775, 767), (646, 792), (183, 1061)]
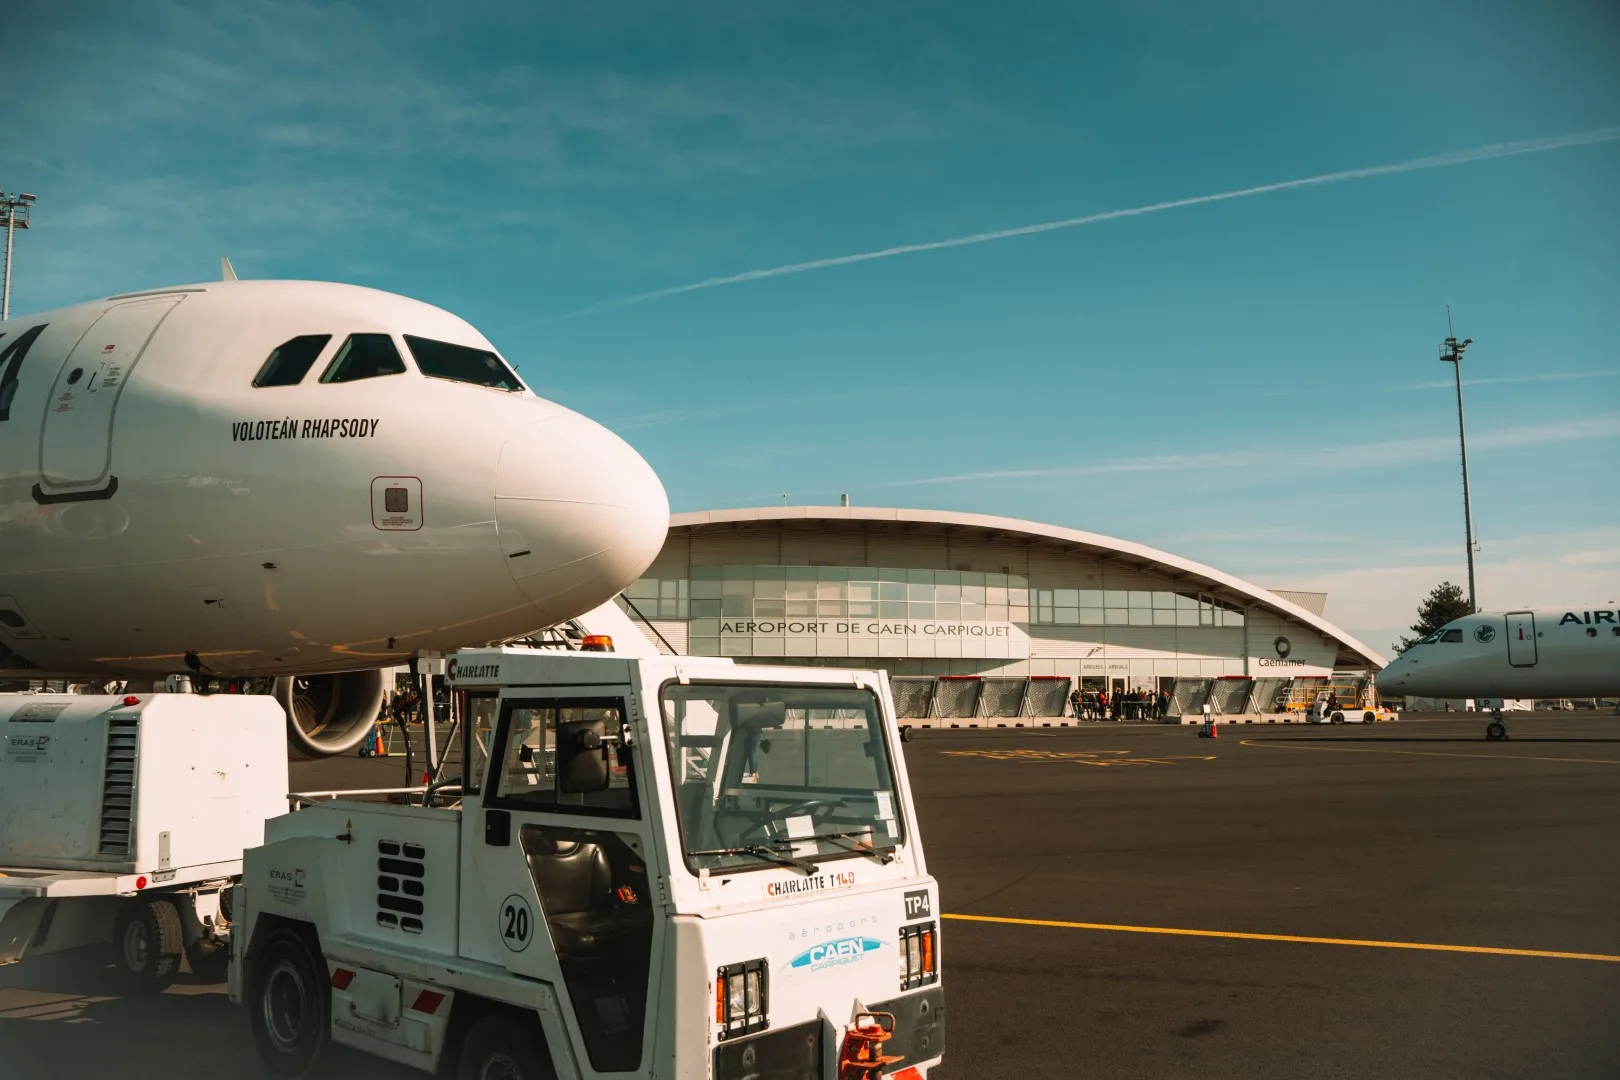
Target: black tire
[(289, 1004), (1338, 718), (1369, 717), (504, 1046), (1496, 731), (147, 944)]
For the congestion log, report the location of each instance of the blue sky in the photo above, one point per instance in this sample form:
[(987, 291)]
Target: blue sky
[(1249, 382)]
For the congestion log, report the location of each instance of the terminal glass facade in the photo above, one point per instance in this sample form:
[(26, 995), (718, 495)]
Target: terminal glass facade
[(1132, 607), (716, 593)]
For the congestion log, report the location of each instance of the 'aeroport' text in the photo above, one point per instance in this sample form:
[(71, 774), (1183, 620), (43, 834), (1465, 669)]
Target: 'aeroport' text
[(859, 627)]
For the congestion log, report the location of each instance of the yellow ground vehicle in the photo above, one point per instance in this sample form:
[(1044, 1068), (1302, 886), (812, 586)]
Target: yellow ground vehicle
[(1337, 702)]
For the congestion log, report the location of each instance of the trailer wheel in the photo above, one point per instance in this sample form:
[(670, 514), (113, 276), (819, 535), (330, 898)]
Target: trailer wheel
[(501, 1046), (147, 944), (289, 1004)]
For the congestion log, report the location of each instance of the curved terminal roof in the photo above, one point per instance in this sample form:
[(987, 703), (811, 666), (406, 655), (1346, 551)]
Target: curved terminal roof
[(948, 523)]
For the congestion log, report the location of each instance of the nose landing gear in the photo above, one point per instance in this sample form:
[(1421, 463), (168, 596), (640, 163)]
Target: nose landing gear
[(1496, 731)]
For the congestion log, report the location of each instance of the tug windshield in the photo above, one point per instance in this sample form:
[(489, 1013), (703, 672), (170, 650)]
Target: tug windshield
[(780, 775)]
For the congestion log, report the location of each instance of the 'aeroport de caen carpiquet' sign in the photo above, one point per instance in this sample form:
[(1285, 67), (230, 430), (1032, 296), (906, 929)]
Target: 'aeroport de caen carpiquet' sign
[(887, 637)]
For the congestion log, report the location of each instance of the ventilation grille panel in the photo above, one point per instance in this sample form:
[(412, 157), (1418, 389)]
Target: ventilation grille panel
[(118, 784), (400, 870)]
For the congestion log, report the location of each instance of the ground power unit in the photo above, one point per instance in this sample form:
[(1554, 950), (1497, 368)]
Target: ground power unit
[(123, 820)]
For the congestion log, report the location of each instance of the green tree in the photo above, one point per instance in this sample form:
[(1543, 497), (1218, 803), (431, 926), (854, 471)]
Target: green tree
[(1444, 603)]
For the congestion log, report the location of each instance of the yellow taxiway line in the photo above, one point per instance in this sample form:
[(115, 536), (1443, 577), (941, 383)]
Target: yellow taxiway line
[(1419, 946), (1278, 745)]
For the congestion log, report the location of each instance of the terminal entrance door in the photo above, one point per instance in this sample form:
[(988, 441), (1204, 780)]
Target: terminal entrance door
[(1521, 630)]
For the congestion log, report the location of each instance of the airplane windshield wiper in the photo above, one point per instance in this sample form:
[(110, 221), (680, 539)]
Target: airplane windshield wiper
[(760, 851), (884, 857)]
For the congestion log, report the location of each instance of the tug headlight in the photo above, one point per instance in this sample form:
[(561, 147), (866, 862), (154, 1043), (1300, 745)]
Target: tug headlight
[(740, 1004), (918, 956)]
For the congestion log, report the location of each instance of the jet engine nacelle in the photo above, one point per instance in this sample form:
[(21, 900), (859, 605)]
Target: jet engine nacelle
[(329, 714)]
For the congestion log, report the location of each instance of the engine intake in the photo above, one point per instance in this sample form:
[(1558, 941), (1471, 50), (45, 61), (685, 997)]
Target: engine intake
[(329, 714)]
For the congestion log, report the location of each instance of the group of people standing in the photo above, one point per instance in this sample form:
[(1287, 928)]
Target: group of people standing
[(1138, 704)]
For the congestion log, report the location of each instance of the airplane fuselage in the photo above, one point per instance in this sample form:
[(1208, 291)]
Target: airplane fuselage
[(1549, 653), (155, 502)]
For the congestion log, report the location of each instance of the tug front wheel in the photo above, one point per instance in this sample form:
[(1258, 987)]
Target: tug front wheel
[(290, 1004)]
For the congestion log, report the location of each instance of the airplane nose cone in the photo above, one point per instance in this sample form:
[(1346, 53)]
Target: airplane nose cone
[(580, 514)]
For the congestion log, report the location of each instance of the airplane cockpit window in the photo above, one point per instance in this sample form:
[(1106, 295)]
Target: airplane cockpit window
[(1451, 635), (290, 361), (459, 363), (364, 356)]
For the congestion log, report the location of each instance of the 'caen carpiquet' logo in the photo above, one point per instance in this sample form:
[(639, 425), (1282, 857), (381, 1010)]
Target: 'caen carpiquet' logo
[(832, 953)]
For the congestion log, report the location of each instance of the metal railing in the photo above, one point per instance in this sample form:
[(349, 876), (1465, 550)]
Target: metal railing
[(297, 800)]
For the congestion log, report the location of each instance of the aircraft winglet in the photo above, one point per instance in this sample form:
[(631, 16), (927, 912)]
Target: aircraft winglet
[(227, 272)]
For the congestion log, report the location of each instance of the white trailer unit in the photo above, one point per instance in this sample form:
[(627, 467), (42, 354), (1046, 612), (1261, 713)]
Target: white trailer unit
[(123, 820), (668, 867)]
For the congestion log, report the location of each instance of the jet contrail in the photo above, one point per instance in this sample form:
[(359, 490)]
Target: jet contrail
[(1437, 161)]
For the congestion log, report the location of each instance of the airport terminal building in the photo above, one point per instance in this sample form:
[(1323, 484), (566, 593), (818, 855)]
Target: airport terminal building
[(982, 617)]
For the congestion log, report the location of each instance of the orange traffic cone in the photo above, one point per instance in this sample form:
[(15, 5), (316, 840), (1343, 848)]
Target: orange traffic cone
[(377, 747)]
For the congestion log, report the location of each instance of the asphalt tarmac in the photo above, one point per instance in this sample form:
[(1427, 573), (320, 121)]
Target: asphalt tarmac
[(1400, 900)]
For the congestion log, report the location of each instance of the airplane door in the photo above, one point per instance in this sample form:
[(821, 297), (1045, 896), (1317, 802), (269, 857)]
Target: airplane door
[(1521, 629), (75, 442)]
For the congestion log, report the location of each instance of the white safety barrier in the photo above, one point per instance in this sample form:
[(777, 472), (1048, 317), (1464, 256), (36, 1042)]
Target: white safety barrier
[(1245, 718)]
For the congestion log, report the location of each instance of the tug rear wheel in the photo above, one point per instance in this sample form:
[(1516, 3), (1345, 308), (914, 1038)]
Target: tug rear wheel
[(503, 1046)]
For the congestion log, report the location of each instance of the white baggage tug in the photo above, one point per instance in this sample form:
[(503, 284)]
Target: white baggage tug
[(667, 867)]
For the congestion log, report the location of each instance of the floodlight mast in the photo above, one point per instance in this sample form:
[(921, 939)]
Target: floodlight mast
[(15, 208), (1451, 352)]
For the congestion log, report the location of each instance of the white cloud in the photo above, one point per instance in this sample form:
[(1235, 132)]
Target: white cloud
[(1595, 557), (1542, 570), (1437, 161), (1382, 453), (1469, 382), (286, 131)]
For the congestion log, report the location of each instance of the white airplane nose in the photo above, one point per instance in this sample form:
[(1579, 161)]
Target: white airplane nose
[(579, 512)]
